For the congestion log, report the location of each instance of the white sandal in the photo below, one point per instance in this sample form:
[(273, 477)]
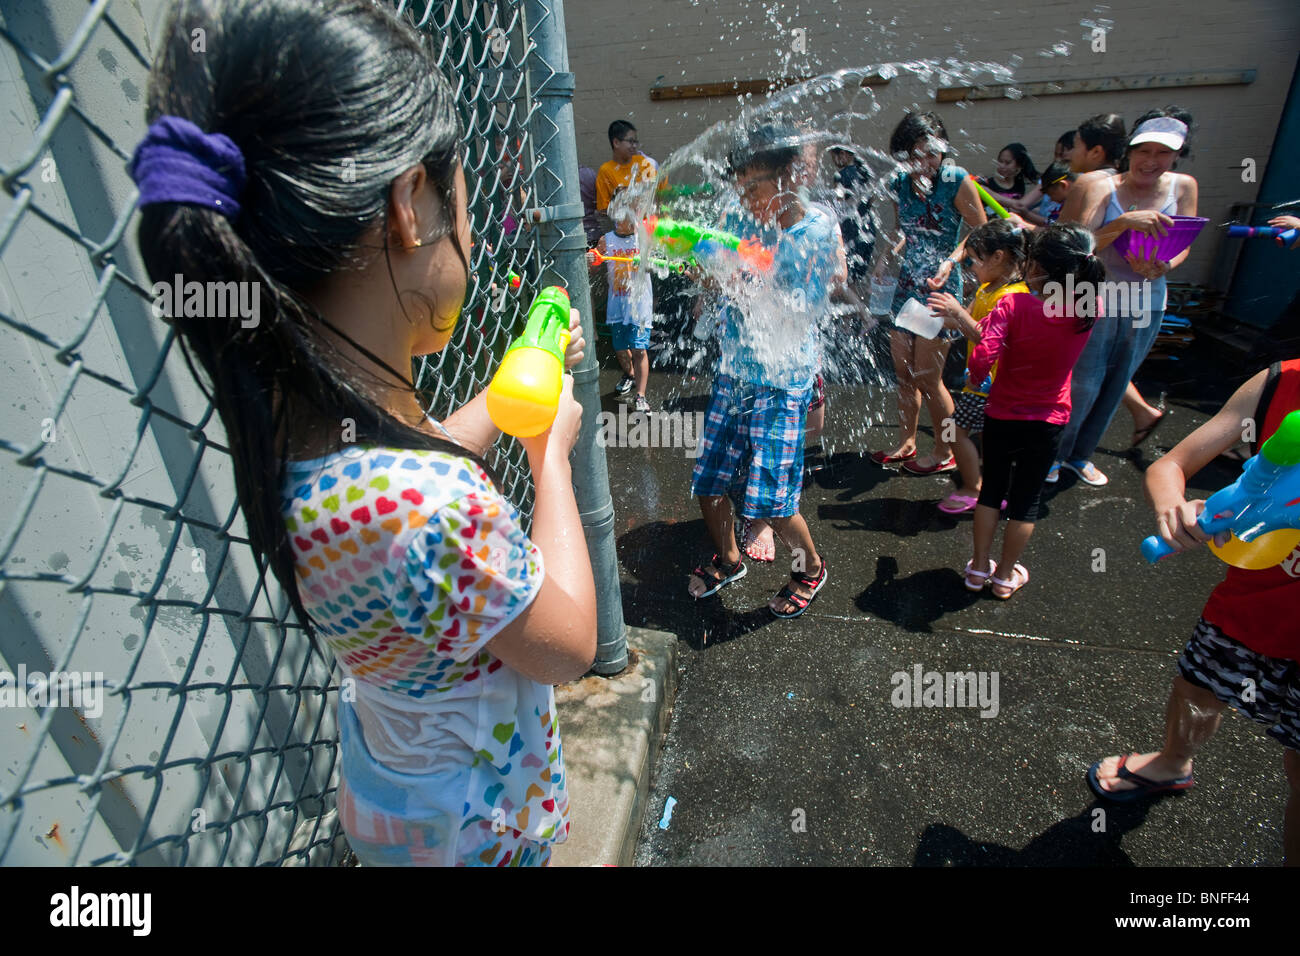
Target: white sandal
[(1088, 473), (981, 576), (1019, 578)]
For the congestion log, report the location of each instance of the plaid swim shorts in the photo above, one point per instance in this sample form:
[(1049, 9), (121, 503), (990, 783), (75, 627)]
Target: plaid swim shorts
[(763, 427), (1265, 689)]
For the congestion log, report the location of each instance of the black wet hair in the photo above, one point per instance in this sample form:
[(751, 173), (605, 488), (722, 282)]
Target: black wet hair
[(768, 147), (914, 128), (1055, 172), (1066, 139), (1064, 249), (999, 235), (297, 85), (1107, 131), (619, 130), (1028, 172)]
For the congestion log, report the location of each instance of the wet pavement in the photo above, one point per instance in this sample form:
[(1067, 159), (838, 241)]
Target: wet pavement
[(787, 745)]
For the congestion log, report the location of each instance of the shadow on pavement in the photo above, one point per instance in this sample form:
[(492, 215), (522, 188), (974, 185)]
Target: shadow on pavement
[(1072, 842), (902, 517), (917, 601), (659, 555), (850, 473)]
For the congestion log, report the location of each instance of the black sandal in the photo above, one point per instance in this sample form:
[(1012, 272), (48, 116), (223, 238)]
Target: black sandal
[(790, 595), (1236, 455), (723, 574)]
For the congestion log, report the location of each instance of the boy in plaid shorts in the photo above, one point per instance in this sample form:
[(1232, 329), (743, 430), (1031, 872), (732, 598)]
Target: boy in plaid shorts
[(1245, 649), (769, 357)]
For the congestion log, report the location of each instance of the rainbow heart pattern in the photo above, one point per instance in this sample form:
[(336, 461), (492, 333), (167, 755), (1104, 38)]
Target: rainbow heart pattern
[(409, 563)]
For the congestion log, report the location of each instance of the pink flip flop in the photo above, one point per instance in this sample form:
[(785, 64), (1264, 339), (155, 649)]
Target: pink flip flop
[(964, 504), (967, 504)]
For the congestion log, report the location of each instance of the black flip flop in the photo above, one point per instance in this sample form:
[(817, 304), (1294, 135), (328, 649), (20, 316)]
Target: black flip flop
[(1142, 434), (1143, 788)]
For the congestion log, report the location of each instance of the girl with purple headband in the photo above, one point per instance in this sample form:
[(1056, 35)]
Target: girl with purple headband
[(311, 155)]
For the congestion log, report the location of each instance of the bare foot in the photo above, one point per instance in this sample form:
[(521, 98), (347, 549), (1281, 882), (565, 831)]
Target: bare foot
[(759, 542), (1152, 766)]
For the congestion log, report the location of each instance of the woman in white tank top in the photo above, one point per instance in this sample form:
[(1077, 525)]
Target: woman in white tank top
[(1141, 199)]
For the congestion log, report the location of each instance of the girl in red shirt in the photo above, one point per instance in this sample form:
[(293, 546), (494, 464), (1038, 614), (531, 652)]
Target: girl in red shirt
[(1035, 339)]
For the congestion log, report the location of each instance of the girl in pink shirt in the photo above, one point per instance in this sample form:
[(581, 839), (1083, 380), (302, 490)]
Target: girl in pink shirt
[(1035, 339)]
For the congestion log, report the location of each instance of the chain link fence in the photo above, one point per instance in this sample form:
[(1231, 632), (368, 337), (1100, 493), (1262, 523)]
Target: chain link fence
[(158, 703)]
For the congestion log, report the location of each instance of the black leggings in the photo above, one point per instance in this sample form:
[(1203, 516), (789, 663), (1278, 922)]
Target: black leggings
[(1017, 457)]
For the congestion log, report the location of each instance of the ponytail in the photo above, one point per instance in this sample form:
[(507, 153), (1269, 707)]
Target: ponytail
[(375, 97), (1064, 251)]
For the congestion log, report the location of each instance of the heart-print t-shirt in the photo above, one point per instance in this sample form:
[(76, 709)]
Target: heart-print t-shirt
[(409, 562)]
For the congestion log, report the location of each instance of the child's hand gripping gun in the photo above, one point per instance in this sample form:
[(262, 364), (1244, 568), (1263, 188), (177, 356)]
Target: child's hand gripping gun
[(686, 238), (525, 392), (1261, 508)]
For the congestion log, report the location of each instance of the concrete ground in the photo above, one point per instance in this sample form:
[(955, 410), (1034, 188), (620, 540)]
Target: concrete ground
[(612, 729), (785, 746)]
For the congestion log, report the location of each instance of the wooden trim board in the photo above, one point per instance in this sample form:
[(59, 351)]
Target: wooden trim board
[(1101, 84), (693, 91)]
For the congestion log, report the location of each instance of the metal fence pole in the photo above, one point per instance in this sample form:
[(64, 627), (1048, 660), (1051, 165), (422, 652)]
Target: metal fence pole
[(562, 232)]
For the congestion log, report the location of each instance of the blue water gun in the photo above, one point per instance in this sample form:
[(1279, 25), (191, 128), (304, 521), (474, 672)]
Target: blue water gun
[(1283, 236), (1265, 499)]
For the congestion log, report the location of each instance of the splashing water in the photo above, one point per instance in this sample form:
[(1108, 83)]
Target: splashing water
[(850, 109)]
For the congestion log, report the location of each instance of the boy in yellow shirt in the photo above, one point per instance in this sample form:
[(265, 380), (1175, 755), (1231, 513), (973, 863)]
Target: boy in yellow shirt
[(628, 167)]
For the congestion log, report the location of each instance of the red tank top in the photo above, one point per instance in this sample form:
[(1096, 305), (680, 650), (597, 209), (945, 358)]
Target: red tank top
[(1261, 609)]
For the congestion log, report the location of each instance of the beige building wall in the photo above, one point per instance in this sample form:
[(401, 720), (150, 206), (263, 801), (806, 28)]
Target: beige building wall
[(618, 51)]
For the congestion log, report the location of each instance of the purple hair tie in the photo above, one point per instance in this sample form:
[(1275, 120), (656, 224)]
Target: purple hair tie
[(178, 162)]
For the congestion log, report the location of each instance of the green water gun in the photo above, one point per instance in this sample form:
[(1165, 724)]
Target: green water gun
[(595, 258), (685, 238), (989, 200)]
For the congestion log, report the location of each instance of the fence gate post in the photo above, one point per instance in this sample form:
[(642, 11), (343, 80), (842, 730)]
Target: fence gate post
[(563, 237)]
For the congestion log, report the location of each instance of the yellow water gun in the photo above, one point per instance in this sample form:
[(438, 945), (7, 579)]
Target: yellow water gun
[(524, 395)]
